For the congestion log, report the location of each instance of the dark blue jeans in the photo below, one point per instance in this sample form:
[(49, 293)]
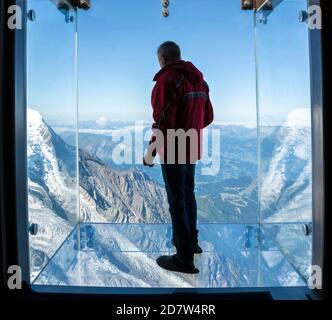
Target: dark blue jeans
[(180, 184)]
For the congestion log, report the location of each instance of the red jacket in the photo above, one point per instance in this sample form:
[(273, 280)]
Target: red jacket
[(180, 100)]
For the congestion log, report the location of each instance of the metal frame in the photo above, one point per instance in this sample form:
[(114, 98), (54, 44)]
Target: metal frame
[(259, 4), (263, 293), (21, 150), (13, 188), (251, 4), (321, 96), (318, 199), (317, 72), (80, 4)]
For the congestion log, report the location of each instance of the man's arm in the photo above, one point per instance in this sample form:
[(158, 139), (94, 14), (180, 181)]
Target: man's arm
[(208, 115), (162, 103)]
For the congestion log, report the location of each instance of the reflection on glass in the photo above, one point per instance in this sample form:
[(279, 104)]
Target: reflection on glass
[(52, 164), (284, 115), (117, 64), (55, 271), (292, 243), (123, 256)]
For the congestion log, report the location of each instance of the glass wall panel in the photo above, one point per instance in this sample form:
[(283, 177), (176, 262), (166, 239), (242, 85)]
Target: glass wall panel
[(118, 44), (284, 116), (52, 105), (253, 185)]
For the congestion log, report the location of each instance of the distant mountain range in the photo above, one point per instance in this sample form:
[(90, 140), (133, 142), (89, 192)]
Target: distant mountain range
[(124, 194), (232, 194)]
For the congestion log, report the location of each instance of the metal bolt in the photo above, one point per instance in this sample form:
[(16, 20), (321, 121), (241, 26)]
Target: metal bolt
[(263, 20), (247, 4), (165, 13), (303, 16), (31, 15), (33, 229), (307, 229), (69, 18), (165, 3)]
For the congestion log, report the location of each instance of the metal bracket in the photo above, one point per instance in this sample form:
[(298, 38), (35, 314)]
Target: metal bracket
[(303, 16), (307, 229), (33, 228), (31, 15), (81, 4), (66, 4), (256, 4)]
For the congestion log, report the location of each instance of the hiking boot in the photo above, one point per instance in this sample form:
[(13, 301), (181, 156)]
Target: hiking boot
[(172, 263), (197, 249)]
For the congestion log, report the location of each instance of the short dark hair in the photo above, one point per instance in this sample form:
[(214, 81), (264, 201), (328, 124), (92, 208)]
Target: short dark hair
[(170, 50)]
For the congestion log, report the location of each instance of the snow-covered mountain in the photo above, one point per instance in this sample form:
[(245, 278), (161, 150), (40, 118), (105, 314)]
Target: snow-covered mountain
[(286, 174), (52, 166), (105, 194), (52, 184), (108, 195), (232, 195), (126, 257)]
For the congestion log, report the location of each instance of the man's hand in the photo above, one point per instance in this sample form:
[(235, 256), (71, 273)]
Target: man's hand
[(148, 161), (151, 153)]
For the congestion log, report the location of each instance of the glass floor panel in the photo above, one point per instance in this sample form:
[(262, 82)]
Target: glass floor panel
[(123, 255)]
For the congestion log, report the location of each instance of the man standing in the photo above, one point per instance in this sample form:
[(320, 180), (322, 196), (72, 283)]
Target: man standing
[(181, 109)]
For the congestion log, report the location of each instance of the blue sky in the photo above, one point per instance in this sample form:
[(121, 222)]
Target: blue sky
[(117, 42)]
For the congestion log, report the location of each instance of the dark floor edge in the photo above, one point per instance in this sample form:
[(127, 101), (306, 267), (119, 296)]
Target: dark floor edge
[(268, 293)]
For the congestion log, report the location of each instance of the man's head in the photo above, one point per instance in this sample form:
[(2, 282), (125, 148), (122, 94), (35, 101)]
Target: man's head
[(168, 52)]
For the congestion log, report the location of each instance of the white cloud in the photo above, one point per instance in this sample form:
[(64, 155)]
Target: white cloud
[(102, 121)]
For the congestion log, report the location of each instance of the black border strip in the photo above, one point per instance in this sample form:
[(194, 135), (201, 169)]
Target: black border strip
[(13, 219), (13, 181), (326, 38)]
